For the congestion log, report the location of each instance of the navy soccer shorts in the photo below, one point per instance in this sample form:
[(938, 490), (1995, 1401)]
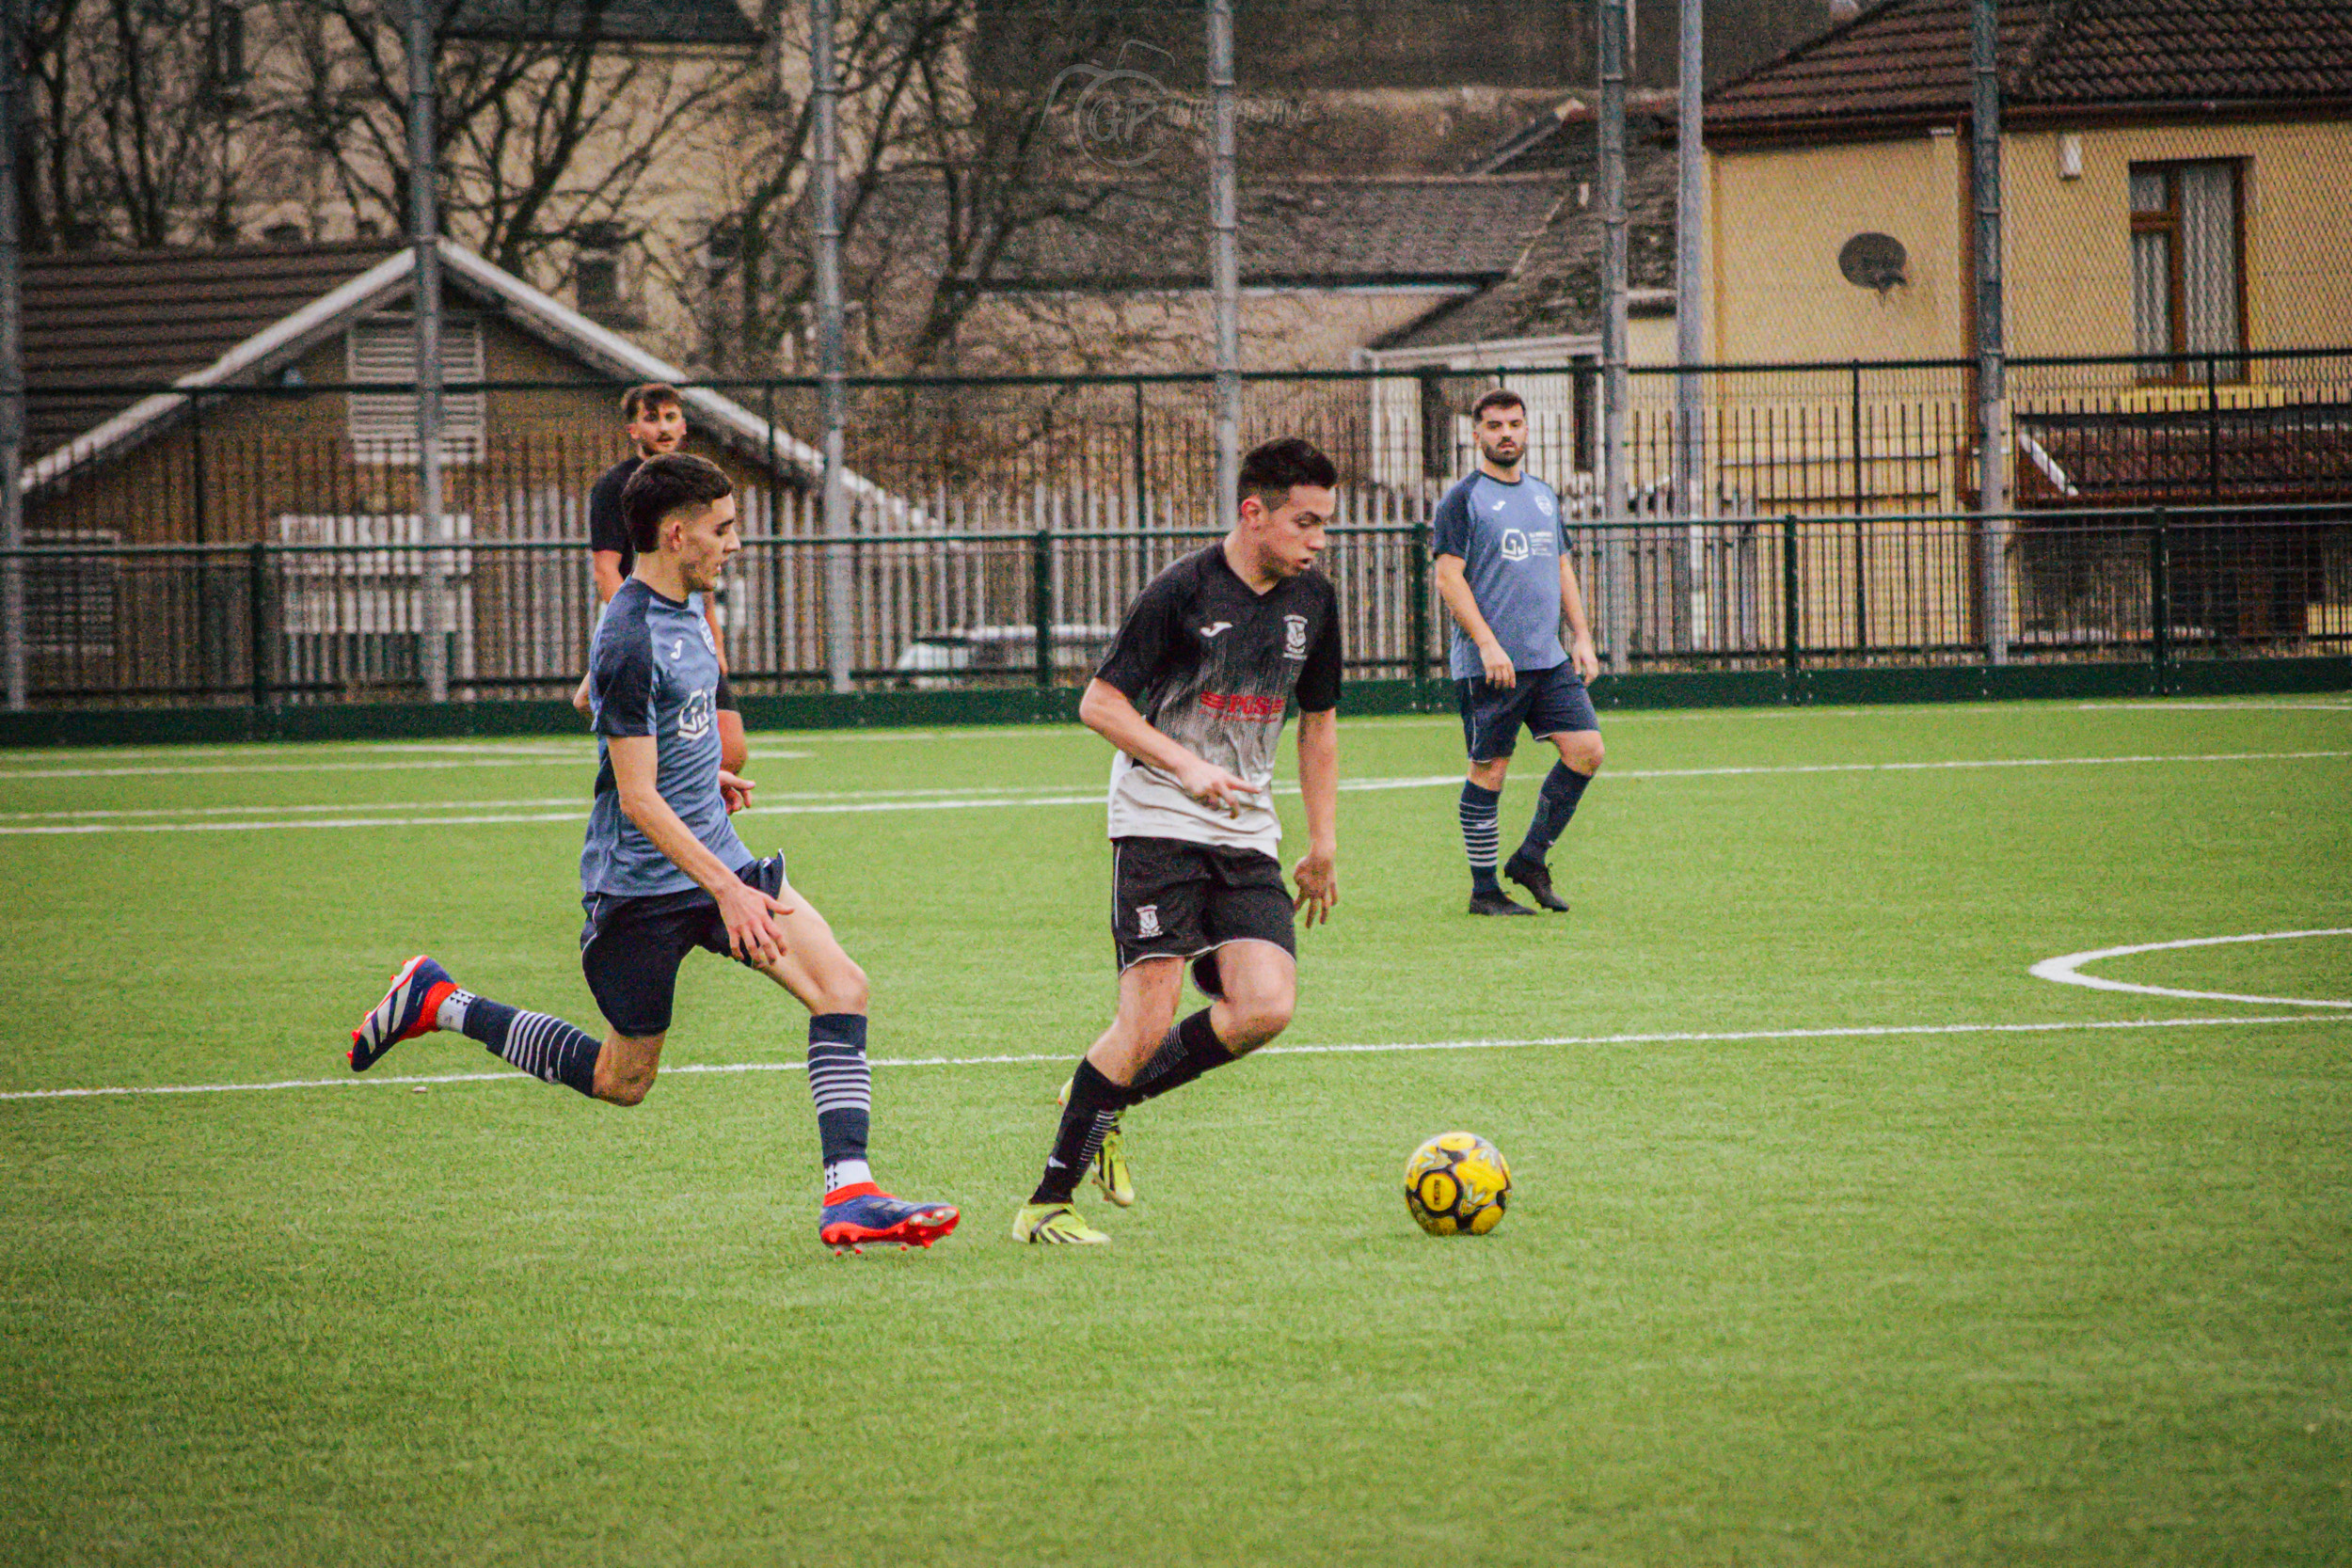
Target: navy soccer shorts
[(1171, 898), (630, 948), (1549, 701)]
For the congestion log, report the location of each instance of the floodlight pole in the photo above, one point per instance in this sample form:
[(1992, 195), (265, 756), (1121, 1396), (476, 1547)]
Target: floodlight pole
[(425, 236), (1225, 257), (1992, 365), (1690, 261), (832, 395), (12, 630), (1615, 257)]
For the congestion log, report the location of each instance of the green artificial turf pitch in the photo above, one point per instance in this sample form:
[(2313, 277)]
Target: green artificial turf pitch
[(1815, 1256)]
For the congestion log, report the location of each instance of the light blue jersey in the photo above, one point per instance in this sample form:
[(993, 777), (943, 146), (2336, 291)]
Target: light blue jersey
[(1509, 539), (655, 671)]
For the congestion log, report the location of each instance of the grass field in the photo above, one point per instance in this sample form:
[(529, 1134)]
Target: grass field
[(1838, 1236)]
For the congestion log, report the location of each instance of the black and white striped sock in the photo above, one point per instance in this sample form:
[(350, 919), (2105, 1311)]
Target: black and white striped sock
[(545, 1047), (843, 1087), (1481, 835)]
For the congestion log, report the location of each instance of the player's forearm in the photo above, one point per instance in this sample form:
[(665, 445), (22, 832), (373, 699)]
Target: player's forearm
[(1459, 603), (670, 835), (718, 644), (1319, 779), (607, 566), (1111, 714)]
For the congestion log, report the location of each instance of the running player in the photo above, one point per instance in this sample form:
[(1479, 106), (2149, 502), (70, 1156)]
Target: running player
[(1193, 694), (663, 872), (1503, 572), (654, 418)]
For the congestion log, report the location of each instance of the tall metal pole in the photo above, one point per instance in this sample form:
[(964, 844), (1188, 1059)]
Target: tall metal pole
[(13, 633), (1617, 615), (1225, 257), (1690, 261), (1992, 365), (832, 392), (425, 225)]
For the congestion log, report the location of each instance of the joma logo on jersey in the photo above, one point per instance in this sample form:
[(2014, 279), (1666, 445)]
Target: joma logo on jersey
[(694, 716), (1294, 637), (1147, 920)]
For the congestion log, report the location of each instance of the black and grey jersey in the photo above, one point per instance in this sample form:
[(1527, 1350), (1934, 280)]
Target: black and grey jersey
[(1216, 665)]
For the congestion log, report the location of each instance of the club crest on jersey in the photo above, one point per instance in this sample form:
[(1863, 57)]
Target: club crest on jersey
[(1544, 505), (1514, 545), (1147, 920), (694, 716), (1294, 637)]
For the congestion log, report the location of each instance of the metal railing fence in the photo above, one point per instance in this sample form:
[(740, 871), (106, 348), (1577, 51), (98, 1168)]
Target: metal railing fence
[(342, 618)]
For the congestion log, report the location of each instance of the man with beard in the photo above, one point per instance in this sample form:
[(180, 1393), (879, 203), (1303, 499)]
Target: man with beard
[(1503, 572), (654, 418)]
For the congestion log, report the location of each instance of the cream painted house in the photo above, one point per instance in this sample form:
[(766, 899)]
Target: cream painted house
[(2173, 175)]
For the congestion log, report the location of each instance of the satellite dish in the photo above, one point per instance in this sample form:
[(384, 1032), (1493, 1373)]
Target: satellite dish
[(1874, 261)]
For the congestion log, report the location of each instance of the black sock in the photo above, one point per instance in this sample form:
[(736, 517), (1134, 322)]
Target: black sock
[(1479, 836), (1187, 1051), (1564, 786), (1095, 1105), (547, 1048)]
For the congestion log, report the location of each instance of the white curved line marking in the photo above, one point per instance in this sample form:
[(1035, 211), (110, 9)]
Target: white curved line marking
[(2064, 969), (1859, 1031)]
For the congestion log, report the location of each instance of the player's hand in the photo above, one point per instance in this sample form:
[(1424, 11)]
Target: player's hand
[(1318, 878), (581, 699), (1497, 666), (1215, 787), (751, 929), (1587, 662), (734, 790)]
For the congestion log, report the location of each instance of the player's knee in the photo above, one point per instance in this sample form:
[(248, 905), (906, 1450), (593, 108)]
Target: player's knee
[(624, 1086), (843, 990), (1583, 750), (1489, 775), (1258, 1019)]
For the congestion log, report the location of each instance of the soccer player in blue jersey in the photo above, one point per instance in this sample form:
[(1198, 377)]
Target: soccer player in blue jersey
[(663, 872), (1504, 574)]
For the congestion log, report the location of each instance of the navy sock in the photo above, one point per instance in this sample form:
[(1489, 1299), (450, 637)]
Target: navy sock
[(1481, 835), (547, 1048), (1095, 1105), (1189, 1050), (1564, 786), (843, 1087)]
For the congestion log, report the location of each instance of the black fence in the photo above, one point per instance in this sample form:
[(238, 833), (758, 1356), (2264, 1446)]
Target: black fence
[(265, 622)]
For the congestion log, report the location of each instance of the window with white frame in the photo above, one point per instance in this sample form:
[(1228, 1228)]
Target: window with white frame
[(382, 350), (2187, 265)]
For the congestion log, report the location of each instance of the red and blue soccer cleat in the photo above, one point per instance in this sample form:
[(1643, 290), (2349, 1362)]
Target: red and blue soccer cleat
[(856, 1218), (408, 1010)]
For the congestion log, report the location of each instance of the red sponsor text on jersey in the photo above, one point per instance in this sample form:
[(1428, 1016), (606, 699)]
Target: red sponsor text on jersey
[(1241, 704)]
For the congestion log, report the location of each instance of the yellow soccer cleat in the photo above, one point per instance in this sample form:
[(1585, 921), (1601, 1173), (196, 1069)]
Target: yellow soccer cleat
[(1054, 1223)]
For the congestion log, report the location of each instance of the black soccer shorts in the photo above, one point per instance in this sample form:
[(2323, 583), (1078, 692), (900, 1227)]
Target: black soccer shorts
[(1549, 701), (1171, 898), (630, 948)]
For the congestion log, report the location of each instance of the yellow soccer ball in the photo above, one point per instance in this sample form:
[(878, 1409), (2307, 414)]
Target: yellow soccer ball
[(1458, 1184)]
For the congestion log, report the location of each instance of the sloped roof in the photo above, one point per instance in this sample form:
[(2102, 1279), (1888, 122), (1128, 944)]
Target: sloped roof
[(1555, 290), (705, 24), (1907, 62), (290, 333), (1330, 232), (140, 318)]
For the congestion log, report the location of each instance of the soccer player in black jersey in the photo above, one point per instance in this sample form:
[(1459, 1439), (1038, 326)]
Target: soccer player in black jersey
[(654, 418), (1194, 693)]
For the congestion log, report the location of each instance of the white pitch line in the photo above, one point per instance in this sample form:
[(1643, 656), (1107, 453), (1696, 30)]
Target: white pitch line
[(1863, 1030), (840, 805), (2064, 969)]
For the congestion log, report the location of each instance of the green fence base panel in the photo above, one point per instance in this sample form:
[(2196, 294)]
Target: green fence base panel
[(1059, 705)]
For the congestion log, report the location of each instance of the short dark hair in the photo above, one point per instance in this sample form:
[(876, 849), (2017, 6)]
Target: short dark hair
[(1502, 397), (672, 483), (1272, 468), (653, 394)]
